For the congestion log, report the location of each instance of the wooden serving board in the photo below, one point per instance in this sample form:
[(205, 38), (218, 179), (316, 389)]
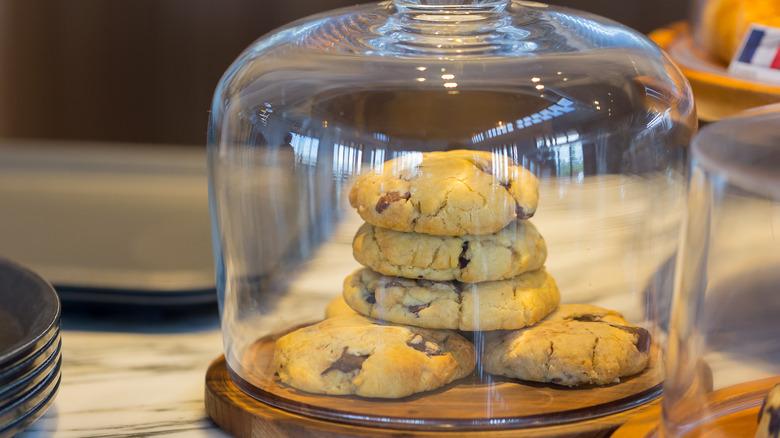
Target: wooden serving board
[(728, 412), (478, 403), (246, 417)]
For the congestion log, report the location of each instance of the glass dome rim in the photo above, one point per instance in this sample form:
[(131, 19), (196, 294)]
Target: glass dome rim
[(713, 150)]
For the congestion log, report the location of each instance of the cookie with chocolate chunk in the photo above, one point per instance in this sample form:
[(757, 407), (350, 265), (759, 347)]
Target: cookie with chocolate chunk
[(516, 249), (492, 305), (769, 415), (352, 354), (576, 344), (447, 193), (337, 306)]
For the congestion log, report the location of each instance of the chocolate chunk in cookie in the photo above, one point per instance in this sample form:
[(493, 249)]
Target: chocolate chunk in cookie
[(347, 362), (388, 198)]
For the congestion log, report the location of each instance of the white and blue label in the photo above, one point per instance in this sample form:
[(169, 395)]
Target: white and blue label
[(758, 57)]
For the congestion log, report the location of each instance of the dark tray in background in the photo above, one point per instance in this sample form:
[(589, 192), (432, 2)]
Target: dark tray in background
[(109, 223)]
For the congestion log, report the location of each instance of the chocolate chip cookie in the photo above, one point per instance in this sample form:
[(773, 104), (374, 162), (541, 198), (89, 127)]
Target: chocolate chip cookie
[(337, 306), (352, 354), (574, 345), (447, 193), (516, 249), (769, 415), (491, 305)]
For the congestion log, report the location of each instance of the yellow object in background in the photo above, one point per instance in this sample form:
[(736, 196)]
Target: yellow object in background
[(724, 23)]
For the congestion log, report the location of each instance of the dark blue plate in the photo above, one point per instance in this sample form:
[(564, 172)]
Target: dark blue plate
[(29, 407), (28, 380), (29, 363), (29, 314)]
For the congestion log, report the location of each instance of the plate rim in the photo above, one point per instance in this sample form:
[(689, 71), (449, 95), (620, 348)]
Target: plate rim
[(32, 378), (20, 349), (34, 396)]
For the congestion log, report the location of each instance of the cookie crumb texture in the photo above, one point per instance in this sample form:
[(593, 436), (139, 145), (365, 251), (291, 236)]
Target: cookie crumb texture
[(352, 354), (446, 193), (516, 249), (492, 305), (769, 415), (577, 344)]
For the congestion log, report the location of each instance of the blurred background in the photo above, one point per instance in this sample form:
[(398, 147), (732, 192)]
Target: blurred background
[(143, 71)]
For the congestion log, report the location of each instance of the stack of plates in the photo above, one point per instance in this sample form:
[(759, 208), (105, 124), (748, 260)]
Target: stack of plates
[(30, 353)]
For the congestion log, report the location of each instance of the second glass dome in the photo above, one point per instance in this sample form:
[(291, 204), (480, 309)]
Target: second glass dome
[(450, 178)]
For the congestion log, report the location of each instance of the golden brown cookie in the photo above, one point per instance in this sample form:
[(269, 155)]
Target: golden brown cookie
[(352, 354), (337, 307), (516, 249), (492, 305), (769, 415), (574, 345), (447, 193)]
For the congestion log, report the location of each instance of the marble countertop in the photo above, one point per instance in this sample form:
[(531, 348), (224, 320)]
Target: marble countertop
[(133, 373)]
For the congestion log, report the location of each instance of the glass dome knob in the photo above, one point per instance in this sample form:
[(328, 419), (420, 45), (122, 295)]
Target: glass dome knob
[(448, 6)]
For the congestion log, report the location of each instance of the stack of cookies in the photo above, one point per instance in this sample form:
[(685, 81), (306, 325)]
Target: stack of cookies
[(447, 244), (447, 247)]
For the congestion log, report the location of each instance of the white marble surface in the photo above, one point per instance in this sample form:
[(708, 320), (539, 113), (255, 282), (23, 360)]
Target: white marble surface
[(133, 374)]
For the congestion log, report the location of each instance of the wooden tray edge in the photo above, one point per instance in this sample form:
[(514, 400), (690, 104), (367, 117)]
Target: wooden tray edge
[(243, 416)]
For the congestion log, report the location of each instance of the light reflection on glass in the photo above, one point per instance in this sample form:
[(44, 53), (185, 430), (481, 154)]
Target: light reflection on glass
[(346, 160), (568, 155), (306, 148), (377, 159), (500, 165), (510, 151), (409, 160), (658, 119), (559, 108), (570, 160)]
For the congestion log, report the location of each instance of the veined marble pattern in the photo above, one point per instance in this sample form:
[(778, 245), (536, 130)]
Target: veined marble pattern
[(133, 376)]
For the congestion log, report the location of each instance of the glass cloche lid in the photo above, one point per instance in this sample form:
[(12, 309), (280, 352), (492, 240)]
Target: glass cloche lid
[(466, 205), (724, 355), (544, 62)]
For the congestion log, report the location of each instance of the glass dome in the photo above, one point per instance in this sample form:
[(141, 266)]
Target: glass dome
[(724, 353), (455, 172)]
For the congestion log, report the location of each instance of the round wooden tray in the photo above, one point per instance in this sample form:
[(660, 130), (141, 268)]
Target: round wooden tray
[(243, 416), (731, 411), (479, 405), (717, 94)]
